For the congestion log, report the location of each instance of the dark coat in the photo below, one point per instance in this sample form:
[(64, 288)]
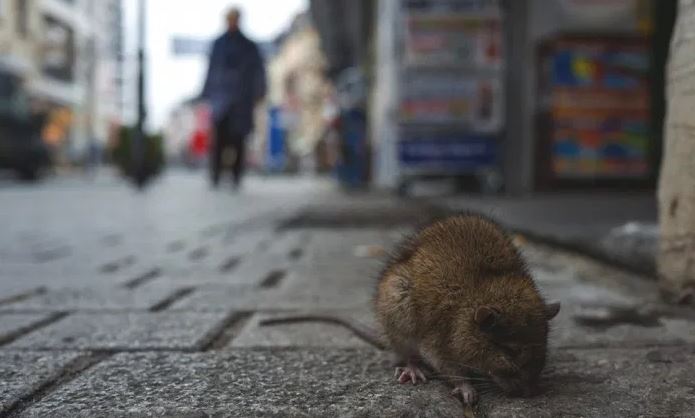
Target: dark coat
[(235, 80)]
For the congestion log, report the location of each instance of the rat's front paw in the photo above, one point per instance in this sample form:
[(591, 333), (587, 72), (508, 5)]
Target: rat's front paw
[(466, 392), (410, 373)]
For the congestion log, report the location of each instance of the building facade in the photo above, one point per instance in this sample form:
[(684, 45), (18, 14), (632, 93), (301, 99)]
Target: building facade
[(68, 53)]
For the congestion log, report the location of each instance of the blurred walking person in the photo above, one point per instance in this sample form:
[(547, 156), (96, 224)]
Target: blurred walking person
[(234, 84)]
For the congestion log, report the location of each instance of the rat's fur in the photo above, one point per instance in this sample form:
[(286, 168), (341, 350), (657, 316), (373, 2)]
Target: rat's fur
[(459, 297)]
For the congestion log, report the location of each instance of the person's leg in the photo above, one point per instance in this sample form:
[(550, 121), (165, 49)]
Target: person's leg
[(240, 158), (217, 150)]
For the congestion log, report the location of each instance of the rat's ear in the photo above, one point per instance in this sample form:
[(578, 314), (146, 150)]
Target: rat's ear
[(486, 317), (551, 310)]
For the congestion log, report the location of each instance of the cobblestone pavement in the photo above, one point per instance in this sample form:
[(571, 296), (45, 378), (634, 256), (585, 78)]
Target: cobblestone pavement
[(114, 303)]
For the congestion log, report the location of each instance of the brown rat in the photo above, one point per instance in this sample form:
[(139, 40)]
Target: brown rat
[(458, 299)]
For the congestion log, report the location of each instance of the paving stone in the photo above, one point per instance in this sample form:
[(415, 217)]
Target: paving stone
[(341, 244), (245, 242), (57, 277), (314, 287), (567, 329), (12, 323), (131, 331), (575, 292), (222, 297), (255, 267), (305, 334), (589, 299), (95, 298), (24, 372), (242, 383), (609, 383), (286, 242), (251, 269)]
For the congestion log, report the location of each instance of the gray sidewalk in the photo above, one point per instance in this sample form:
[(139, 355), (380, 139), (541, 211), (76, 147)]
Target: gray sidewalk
[(160, 317)]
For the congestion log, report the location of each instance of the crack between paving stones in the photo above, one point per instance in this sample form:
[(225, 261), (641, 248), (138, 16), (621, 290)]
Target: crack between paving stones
[(23, 296), (143, 278), (66, 374), (296, 254), (273, 279), (222, 335), (229, 264), (259, 222), (198, 253), (13, 336), (171, 299), (115, 265)]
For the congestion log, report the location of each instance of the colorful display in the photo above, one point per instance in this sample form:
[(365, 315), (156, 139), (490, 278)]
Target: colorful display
[(600, 109)]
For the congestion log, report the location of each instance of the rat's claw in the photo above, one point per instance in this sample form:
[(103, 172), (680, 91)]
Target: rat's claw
[(466, 392), (410, 373)]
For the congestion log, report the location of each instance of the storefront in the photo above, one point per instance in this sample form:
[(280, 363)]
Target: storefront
[(551, 94)]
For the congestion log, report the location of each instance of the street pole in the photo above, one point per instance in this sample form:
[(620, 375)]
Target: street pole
[(139, 139)]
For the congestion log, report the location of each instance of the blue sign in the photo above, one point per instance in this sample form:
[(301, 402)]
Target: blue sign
[(449, 153), (276, 159)]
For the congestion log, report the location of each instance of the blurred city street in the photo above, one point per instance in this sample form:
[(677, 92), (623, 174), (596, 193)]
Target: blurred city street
[(178, 180), (122, 303)]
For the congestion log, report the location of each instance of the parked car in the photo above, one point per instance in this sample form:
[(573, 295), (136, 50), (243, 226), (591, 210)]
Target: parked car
[(21, 145)]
